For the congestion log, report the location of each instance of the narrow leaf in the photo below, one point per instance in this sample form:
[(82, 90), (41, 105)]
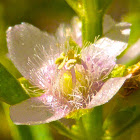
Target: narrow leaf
[(36, 132), (76, 5), (11, 91)]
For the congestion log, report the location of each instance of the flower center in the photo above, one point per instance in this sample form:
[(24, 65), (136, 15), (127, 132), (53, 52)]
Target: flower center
[(70, 88), (68, 60), (71, 80)]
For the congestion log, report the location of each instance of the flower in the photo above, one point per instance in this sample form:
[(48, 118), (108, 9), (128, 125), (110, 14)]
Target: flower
[(73, 77)]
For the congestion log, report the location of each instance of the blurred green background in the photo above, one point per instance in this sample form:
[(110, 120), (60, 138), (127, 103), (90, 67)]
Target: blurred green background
[(47, 15)]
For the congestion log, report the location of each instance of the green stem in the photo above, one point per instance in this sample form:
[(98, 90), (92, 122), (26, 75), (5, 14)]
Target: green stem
[(91, 20), (93, 123), (82, 129), (63, 130)]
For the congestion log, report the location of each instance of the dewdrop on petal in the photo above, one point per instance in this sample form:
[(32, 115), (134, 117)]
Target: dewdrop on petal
[(71, 76)]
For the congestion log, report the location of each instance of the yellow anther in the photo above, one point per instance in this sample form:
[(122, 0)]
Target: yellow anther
[(61, 65), (59, 60), (70, 64), (62, 54), (70, 59), (78, 59)]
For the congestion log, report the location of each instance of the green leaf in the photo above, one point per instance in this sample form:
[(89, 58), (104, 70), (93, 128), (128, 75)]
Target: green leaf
[(11, 91), (76, 5), (3, 48), (134, 18), (117, 123), (135, 34), (4, 60), (123, 70), (118, 120), (33, 91), (37, 132), (131, 84), (118, 71)]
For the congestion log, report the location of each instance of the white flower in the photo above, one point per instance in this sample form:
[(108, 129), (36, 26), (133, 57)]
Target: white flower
[(73, 77)]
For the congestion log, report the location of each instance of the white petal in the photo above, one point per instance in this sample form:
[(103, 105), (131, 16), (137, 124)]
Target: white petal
[(99, 62), (108, 23), (119, 32), (132, 53), (115, 40), (108, 90), (73, 30), (38, 110), (111, 47), (77, 30), (29, 49), (61, 33)]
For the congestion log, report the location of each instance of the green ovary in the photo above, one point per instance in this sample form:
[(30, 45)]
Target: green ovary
[(68, 87), (66, 83)]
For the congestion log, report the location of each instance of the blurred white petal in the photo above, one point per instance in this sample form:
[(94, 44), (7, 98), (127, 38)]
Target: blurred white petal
[(132, 53), (110, 46), (73, 30), (108, 24), (118, 32), (116, 39)]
